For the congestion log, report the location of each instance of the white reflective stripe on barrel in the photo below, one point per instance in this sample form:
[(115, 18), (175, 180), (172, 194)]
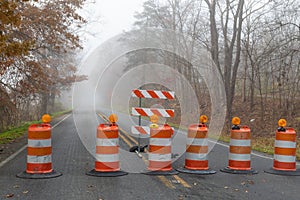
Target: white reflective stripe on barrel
[(281, 158), (107, 142), (159, 157), (285, 144), (161, 141), (107, 157), (39, 159), (239, 157), (241, 143), (195, 156), (197, 142), (39, 143)]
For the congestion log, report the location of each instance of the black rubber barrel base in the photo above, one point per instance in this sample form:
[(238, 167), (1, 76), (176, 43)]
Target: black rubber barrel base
[(26, 175), (106, 174), (200, 172), (160, 173), (136, 148), (282, 172), (234, 171)]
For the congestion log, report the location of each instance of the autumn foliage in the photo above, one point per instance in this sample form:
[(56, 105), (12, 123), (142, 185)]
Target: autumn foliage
[(38, 42)]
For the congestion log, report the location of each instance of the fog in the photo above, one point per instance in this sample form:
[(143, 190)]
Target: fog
[(112, 75)]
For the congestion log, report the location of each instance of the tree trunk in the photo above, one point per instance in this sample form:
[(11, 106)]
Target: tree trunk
[(44, 103)]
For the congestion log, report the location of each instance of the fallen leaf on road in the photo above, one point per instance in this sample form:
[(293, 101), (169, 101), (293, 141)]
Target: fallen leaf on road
[(9, 195), (25, 192)]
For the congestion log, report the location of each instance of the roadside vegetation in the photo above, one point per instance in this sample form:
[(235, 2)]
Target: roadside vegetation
[(255, 45), (38, 44), (12, 133)]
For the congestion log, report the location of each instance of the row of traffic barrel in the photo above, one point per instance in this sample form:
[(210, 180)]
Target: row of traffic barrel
[(107, 164)]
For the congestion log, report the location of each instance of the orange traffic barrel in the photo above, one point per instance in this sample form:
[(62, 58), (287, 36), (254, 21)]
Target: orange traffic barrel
[(39, 153), (284, 162), (239, 161), (107, 162), (197, 149), (160, 151)]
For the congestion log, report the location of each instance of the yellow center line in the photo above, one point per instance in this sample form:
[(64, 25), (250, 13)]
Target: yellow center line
[(125, 140), (166, 182), (132, 139), (183, 182)]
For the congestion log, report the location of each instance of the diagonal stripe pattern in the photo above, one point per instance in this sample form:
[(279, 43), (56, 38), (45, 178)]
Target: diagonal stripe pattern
[(143, 130), (148, 112), (153, 94)]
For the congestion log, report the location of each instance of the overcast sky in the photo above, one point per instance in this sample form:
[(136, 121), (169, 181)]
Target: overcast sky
[(112, 16)]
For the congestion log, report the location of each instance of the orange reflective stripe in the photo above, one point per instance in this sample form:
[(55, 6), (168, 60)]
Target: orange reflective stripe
[(107, 149), (286, 137), (196, 149), (39, 151), (33, 168), (39, 134), (285, 151), (160, 165), (107, 134), (240, 149), (197, 134), (239, 165), (196, 164), (160, 149), (284, 166), (238, 134), (161, 133), (107, 166)]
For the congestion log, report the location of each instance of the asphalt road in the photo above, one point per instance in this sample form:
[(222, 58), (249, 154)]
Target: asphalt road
[(73, 159)]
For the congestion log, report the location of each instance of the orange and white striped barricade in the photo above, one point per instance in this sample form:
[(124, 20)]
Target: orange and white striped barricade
[(146, 112), (153, 94), (196, 151), (141, 131), (284, 162), (107, 162), (160, 151), (152, 111), (239, 161), (39, 153)]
